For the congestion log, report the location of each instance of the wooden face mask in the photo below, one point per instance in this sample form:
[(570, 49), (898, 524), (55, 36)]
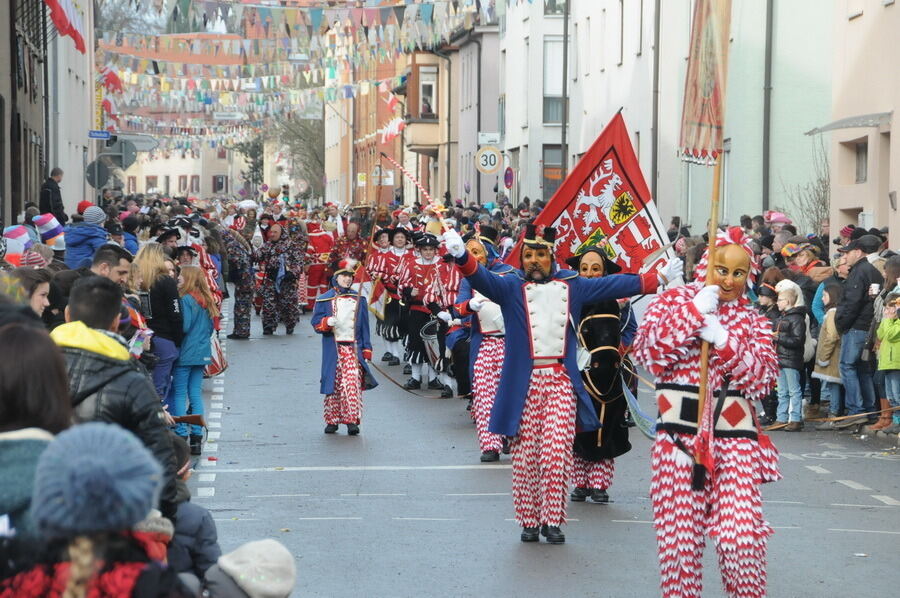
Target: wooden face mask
[(536, 262), (731, 272), (475, 248)]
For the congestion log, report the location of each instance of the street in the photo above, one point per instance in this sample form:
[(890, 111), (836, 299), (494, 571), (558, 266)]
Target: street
[(406, 509)]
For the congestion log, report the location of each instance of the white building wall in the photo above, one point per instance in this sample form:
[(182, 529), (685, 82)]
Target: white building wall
[(170, 163), (336, 157)]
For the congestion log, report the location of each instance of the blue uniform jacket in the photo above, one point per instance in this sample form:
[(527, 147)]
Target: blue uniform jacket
[(517, 364), (465, 293), (321, 312)]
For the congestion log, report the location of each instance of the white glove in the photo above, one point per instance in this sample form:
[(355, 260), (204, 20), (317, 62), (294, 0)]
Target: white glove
[(444, 316), (331, 321), (454, 243), (672, 269), (476, 303), (713, 331), (455, 322), (707, 300)]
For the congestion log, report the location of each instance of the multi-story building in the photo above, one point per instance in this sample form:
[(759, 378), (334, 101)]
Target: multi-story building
[(864, 159), (202, 173)]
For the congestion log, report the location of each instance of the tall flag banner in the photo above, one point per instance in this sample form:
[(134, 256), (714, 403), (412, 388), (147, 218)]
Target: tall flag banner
[(702, 120), (605, 201)]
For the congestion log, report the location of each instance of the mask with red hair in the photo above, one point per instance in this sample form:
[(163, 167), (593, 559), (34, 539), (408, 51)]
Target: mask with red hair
[(732, 236)]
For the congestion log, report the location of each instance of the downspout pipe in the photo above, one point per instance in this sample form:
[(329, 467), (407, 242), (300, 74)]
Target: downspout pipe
[(443, 56), (767, 107), (564, 125), (654, 145), (477, 42)]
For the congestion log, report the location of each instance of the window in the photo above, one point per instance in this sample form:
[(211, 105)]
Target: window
[(862, 162), (552, 171), (166, 186), (182, 183), (553, 50), (428, 91), (195, 183), (554, 7), (222, 153), (220, 183), (132, 184), (621, 32), (151, 183)]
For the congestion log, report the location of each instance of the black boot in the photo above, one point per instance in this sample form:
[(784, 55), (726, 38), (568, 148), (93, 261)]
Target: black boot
[(629, 422), (289, 330), (352, 429), (412, 384), (196, 444), (407, 370), (387, 356), (505, 449), (599, 495), (530, 534), (394, 361), (435, 385), (237, 337), (490, 456), (447, 393), (268, 331), (331, 428), (553, 534), (469, 405), (579, 494)]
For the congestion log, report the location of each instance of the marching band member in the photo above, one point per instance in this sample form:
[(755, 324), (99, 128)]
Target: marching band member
[(318, 252)]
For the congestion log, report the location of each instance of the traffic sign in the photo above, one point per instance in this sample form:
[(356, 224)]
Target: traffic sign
[(488, 160), (97, 174), (508, 178), (488, 138), (124, 153), (94, 134)]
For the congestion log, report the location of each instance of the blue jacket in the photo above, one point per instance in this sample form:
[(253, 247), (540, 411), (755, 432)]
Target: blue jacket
[(131, 243), (507, 292), (321, 312), (465, 293), (82, 241), (195, 546), (198, 328)]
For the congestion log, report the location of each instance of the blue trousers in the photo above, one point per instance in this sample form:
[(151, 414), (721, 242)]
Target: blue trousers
[(187, 383), (166, 353), (790, 396), (859, 389)]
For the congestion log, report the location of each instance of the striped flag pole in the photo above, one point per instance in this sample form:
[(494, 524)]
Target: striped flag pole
[(408, 175)]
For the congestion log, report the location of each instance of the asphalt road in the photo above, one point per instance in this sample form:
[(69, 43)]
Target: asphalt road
[(406, 509)]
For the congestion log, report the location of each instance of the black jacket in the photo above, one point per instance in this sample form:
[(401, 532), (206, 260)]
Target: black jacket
[(855, 311), (195, 546), (51, 201), (791, 339), (120, 392), (166, 320)]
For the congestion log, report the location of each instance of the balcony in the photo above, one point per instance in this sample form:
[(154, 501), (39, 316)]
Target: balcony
[(423, 135)]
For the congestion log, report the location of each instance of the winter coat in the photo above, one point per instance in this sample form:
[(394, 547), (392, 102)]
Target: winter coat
[(165, 305), (131, 243), (889, 350), (195, 546), (82, 241), (198, 327), (19, 453), (51, 202), (855, 311), (106, 385), (828, 351), (791, 338)]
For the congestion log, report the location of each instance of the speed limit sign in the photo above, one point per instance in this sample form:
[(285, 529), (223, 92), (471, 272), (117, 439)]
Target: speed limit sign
[(487, 160)]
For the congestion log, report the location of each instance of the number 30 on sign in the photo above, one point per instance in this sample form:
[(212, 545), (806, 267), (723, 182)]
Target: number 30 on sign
[(488, 160)]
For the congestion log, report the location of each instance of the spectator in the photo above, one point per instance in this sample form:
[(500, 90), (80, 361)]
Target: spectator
[(94, 483), (130, 226), (84, 238), (852, 319), (33, 233), (791, 331), (33, 407), (51, 198), (116, 233), (889, 364), (259, 569), (165, 318), (112, 262), (195, 546), (36, 284), (105, 384), (828, 353), (839, 269), (198, 309)]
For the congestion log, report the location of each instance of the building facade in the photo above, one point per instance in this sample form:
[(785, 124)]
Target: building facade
[(201, 173)]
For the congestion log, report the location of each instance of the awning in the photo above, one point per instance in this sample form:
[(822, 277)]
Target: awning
[(855, 122)]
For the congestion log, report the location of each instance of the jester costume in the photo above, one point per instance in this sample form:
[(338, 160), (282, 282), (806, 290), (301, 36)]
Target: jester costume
[(734, 453), (283, 262), (318, 251), (240, 271)]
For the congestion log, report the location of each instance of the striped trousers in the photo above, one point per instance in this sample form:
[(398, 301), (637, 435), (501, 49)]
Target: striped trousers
[(344, 405), (487, 368)]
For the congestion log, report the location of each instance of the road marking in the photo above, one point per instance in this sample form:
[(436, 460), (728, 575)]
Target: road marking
[(234, 519), (374, 494), (887, 500), (215, 405), (214, 424), (786, 527), (853, 485), (841, 504), (784, 502), (833, 446), (215, 415), (208, 463), (863, 531), (276, 495), (211, 447), (792, 457), (329, 518), (217, 397), (207, 477), (816, 469), (479, 494), (214, 435), (206, 492), (368, 468), (218, 381), (629, 521), (425, 519)]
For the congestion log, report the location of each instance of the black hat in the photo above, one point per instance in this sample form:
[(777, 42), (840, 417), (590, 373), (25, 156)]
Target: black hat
[(182, 222), (426, 240), (114, 228), (857, 233), (767, 290), (384, 231), (609, 266), (866, 243), (766, 241), (167, 232), (547, 239), (484, 234), (400, 231)]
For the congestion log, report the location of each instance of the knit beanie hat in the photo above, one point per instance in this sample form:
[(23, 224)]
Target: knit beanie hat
[(262, 569), (94, 477), (94, 215), (33, 259), (50, 230)]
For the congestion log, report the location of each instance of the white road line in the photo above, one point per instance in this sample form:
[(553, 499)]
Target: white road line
[(816, 469), (206, 492), (784, 502), (207, 477), (329, 518), (832, 445), (215, 415), (479, 494), (792, 457), (214, 435), (218, 381), (212, 425), (425, 519), (374, 494), (211, 447), (234, 519), (863, 531), (216, 405), (786, 527), (887, 500), (367, 467), (216, 397), (629, 521), (840, 504), (208, 463), (853, 485), (276, 495)]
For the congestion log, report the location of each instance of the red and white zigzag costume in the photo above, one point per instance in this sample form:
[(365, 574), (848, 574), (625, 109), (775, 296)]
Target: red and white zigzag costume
[(729, 508), (318, 251)]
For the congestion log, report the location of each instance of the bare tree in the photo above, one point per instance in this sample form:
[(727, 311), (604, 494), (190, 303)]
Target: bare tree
[(128, 16), (810, 203), (305, 139)]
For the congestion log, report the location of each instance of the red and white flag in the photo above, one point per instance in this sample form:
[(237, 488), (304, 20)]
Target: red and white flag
[(392, 101), (605, 201), (392, 129)]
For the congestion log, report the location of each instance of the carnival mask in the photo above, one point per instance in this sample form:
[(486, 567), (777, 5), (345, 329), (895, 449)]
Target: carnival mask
[(344, 280), (476, 249), (731, 272), (591, 265), (536, 262)]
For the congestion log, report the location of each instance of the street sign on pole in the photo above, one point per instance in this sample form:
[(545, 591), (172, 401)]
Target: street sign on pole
[(97, 174), (94, 134), (488, 160), (508, 178), (124, 153), (488, 138)]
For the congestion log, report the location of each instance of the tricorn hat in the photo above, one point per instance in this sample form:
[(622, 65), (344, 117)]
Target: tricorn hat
[(535, 238), (609, 266), (347, 266)]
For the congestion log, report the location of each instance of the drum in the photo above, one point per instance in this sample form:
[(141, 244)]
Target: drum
[(429, 334)]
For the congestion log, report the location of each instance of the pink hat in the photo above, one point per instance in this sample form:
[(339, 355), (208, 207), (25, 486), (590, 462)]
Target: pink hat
[(773, 217)]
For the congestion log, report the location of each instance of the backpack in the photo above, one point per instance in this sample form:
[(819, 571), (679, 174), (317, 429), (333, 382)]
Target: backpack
[(809, 345)]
